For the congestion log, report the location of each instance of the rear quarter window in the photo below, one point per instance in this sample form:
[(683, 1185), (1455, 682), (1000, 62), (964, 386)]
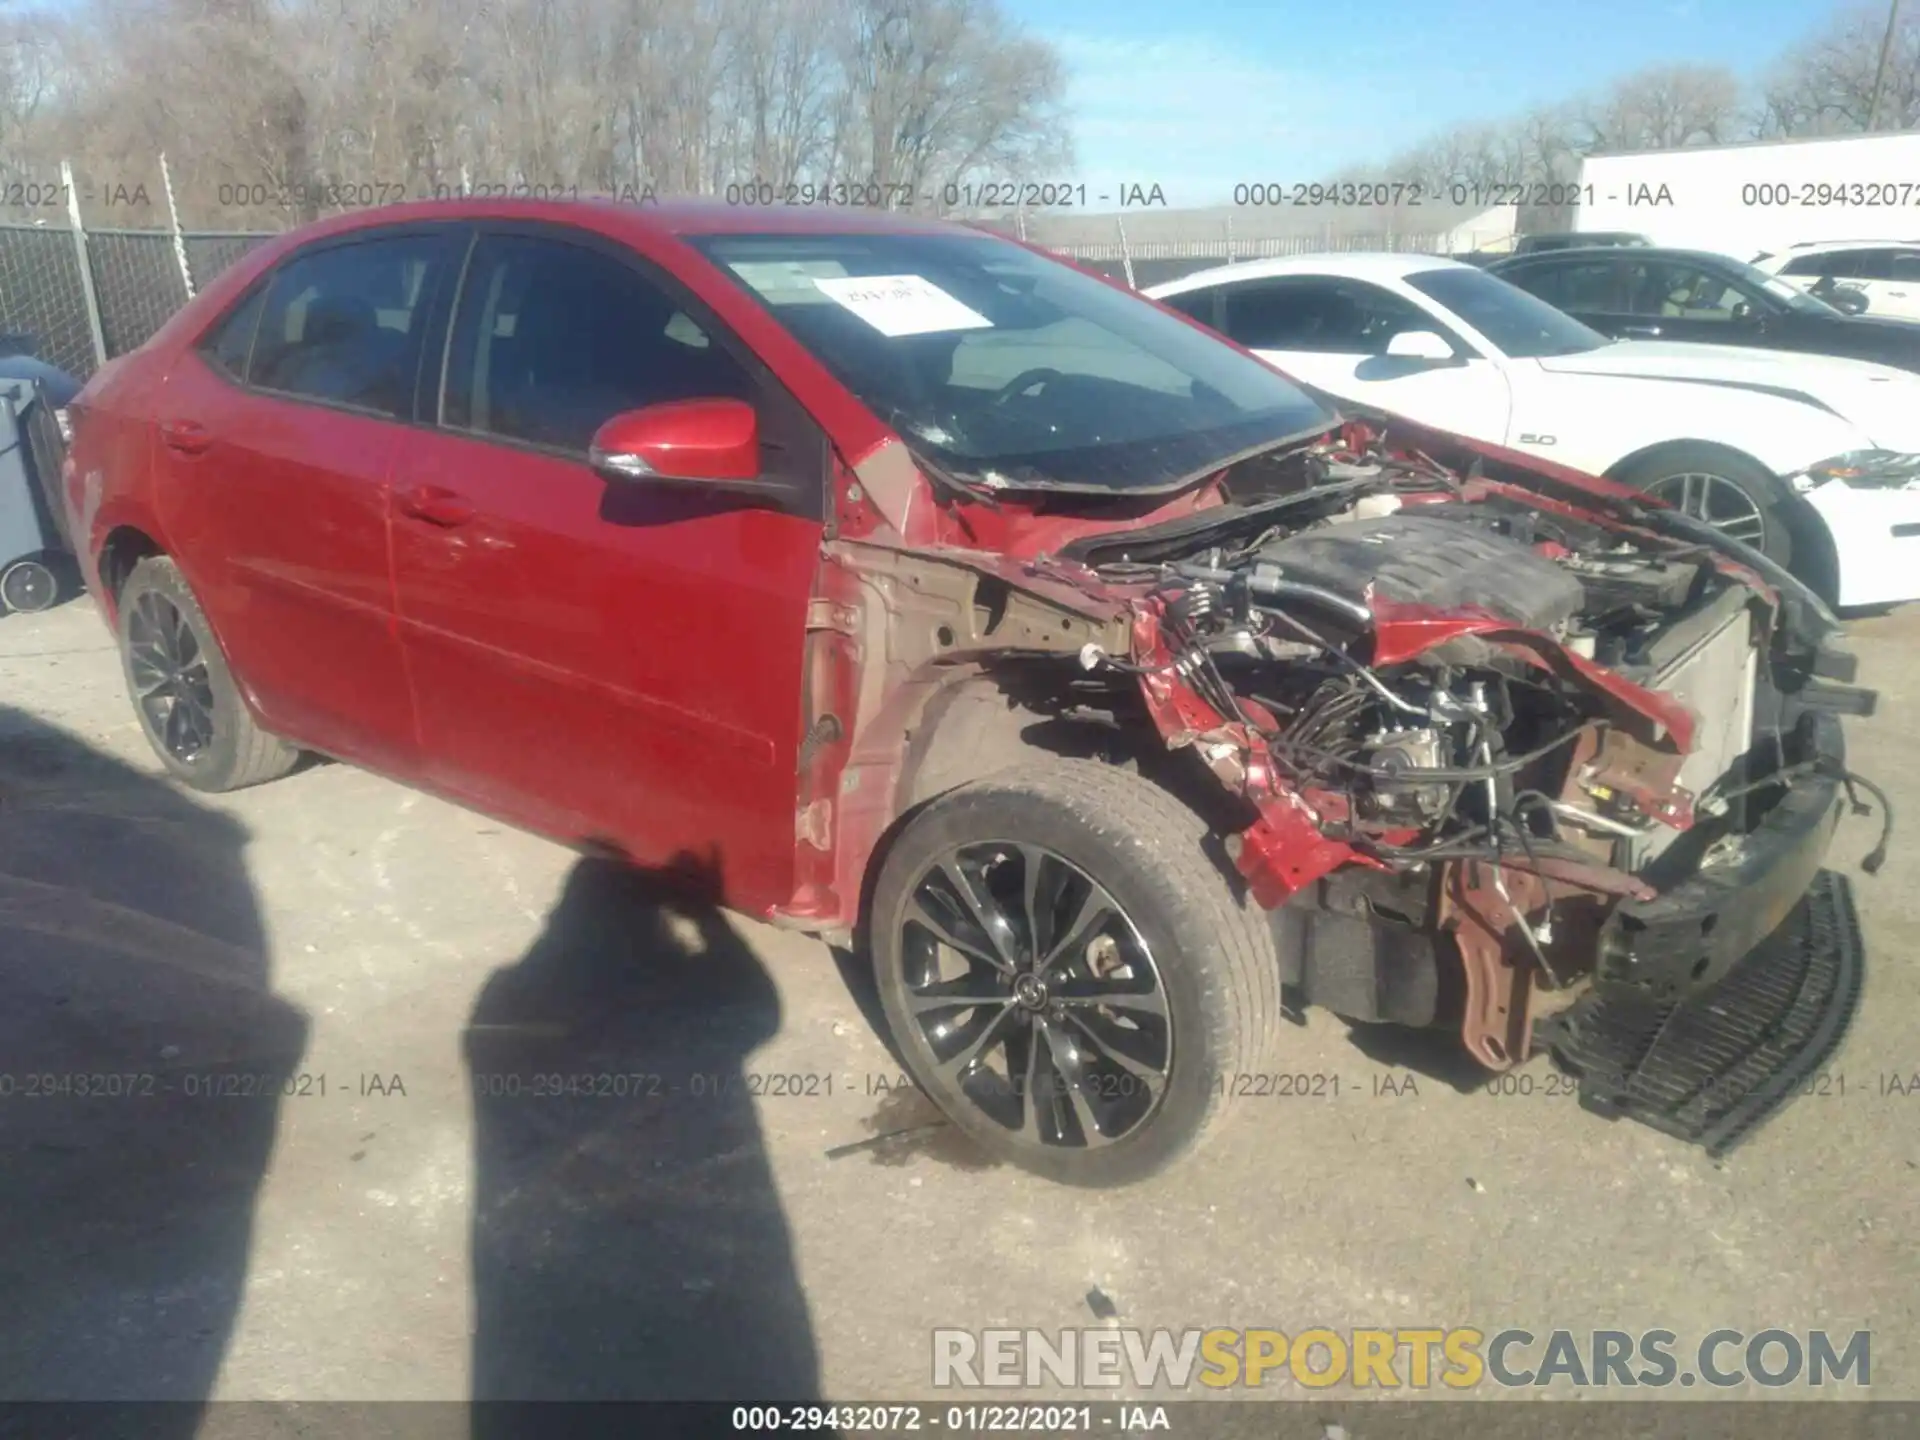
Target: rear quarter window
[(227, 345)]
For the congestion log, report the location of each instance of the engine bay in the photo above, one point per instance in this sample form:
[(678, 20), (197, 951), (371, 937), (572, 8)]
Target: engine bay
[(1448, 672)]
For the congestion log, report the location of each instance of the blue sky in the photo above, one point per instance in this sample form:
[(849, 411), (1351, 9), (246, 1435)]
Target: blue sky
[(1202, 96)]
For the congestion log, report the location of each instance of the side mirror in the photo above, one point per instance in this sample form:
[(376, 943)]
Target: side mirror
[(680, 440), (1847, 300), (1420, 345)]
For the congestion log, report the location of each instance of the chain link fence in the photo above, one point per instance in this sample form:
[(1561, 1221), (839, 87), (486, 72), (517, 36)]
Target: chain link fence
[(137, 285), (43, 305), (138, 278)]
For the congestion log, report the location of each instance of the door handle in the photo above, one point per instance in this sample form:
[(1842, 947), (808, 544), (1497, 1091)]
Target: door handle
[(435, 504), (1648, 330), (188, 437)]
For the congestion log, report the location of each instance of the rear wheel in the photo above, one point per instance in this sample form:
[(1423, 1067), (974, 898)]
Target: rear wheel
[(1735, 495), (182, 690), (1068, 972)]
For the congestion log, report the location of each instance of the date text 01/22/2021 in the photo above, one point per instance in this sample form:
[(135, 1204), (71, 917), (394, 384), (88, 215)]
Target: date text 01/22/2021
[(1040, 1419)]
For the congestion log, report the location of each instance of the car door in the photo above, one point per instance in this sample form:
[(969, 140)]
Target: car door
[(1333, 332), (1890, 285), (1676, 299), (616, 662), (1821, 270), (1898, 296), (276, 436)]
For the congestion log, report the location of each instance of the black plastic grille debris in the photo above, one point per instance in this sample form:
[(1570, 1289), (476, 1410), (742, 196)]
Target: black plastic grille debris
[(1712, 1067)]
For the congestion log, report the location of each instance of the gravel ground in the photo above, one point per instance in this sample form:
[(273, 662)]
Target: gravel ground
[(379, 1226)]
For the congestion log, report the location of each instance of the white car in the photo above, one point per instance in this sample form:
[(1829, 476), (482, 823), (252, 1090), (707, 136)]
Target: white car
[(1786, 452), (1886, 272)]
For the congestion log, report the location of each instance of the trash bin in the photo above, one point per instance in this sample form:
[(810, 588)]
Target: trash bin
[(36, 553)]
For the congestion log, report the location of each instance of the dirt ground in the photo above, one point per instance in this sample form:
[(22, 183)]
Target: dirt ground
[(363, 1213)]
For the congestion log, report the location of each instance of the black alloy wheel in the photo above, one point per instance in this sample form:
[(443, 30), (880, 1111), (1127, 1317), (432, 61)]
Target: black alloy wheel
[(1070, 970), (1036, 995), (189, 705), (168, 672)]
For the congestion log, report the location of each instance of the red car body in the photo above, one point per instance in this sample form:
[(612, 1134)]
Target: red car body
[(457, 615), (675, 669)]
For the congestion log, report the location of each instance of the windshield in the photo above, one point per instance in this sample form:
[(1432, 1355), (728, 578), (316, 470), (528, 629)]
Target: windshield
[(1009, 369), (1520, 325)]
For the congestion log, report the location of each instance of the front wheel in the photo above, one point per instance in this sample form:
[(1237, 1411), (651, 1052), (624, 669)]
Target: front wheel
[(1068, 971), (1735, 495)]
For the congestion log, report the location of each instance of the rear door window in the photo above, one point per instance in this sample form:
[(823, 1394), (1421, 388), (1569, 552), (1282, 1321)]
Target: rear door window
[(227, 347), (1841, 264), (1865, 264), (1322, 315), (1676, 290), (1579, 285), (1201, 305), (344, 324)]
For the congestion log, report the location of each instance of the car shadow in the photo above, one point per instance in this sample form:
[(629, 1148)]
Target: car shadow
[(143, 1062), (628, 1238)]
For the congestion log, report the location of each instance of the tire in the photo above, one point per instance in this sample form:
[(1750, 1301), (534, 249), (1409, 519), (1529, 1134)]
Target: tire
[(1731, 479), (1181, 929), (29, 586), (235, 752)]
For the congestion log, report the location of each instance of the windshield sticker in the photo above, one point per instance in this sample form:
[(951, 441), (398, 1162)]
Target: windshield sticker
[(903, 304), (787, 282)]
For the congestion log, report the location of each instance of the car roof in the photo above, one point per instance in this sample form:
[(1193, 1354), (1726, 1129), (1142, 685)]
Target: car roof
[(1815, 247), (715, 217), (1575, 234), (1347, 264), (1615, 252), (679, 218)]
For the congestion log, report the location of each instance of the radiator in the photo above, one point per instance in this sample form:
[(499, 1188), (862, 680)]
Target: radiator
[(1714, 679)]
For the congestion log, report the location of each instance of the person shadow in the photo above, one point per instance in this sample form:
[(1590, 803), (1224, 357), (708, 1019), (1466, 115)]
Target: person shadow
[(144, 1059), (628, 1238)]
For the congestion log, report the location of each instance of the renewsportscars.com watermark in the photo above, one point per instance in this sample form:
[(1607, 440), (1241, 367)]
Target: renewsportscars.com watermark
[(1460, 1358)]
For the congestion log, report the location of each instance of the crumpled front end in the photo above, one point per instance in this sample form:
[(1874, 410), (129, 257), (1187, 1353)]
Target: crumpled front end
[(1511, 765)]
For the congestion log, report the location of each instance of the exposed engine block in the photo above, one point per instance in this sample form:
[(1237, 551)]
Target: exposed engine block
[(1425, 560)]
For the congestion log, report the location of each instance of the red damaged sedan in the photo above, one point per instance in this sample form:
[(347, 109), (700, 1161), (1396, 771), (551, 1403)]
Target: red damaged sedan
[(1114, 693)]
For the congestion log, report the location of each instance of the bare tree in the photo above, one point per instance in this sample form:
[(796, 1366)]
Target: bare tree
[(277, 109), (1664, 108), (1824, 85), (29, 67), (945, 88)]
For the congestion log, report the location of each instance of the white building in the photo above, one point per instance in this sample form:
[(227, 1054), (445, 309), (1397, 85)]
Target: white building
[(1489, 230), (1763, 195)]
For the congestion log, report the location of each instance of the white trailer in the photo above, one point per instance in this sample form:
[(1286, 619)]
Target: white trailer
[(1766, 195)]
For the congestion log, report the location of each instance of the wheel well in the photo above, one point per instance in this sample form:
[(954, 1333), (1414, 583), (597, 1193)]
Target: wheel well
[(125, 548), (989, 723), (1647, 452), (1815, 560)]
